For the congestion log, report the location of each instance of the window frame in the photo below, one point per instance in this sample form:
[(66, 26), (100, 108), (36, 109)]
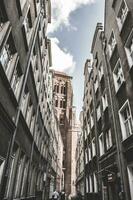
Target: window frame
[(115, 77), (123, 128), (119, 22)]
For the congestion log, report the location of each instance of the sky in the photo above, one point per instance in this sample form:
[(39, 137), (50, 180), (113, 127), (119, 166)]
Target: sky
[(71, 32)]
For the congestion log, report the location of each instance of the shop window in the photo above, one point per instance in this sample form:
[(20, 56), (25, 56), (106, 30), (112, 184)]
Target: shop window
[(126, 120), (118, 75)]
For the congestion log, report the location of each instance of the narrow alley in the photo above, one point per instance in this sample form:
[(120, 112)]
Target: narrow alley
[(66, 100)]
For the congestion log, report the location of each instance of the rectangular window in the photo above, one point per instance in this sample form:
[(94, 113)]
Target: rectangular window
[(95, 182), (111, 44), (126, 120), (96, 85), (92, 120), (130, 177), (122, 14), (118, 75), (129, 49), (90, 183), (16, 81), (104, 101), (93, 147), (28, 26), (2, 164), (101, 71), (101, 144), (98, 110), (108, 139)]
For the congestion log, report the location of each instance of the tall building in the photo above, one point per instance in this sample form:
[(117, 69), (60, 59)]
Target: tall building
[(108, 106), (63, 101), (79, 157), (25, 99), (76, 130)]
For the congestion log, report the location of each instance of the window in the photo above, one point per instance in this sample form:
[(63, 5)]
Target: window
[(93, 147), (104, 101), (92, 121), (108, 139), (5, 57), (101, 71), (130, 177), (64, 104), (129, 49), (98, 110), (89, 152), (90, 183), (16, 81), (28, 26), (86, 157), (18, 177), (122, 14), (2, 164), (61, 104), (29, 113), (57, 89), (96, 85), (126, 120), (62, 89), (118, 75), (101, 144), (62, 119), (24, 102), (95, 182), (111, 44), (56, 103)]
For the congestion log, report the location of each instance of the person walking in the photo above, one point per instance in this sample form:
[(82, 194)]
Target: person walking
[(62, 196), (55, 195)]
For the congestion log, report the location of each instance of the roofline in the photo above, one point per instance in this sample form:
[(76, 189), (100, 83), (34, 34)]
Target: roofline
[(62, 74), (99, 26)]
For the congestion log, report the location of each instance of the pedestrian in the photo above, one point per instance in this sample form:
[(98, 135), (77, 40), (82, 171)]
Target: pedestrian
[(62, 196), (55, 195), (79, 195)]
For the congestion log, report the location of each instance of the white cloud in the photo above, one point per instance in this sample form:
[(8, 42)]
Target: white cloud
[(61, 10), (62, 60)]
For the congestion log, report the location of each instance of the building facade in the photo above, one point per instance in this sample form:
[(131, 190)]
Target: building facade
[(76, 129), (108, 106), (63, 101), (25, 100), (79, 159)]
